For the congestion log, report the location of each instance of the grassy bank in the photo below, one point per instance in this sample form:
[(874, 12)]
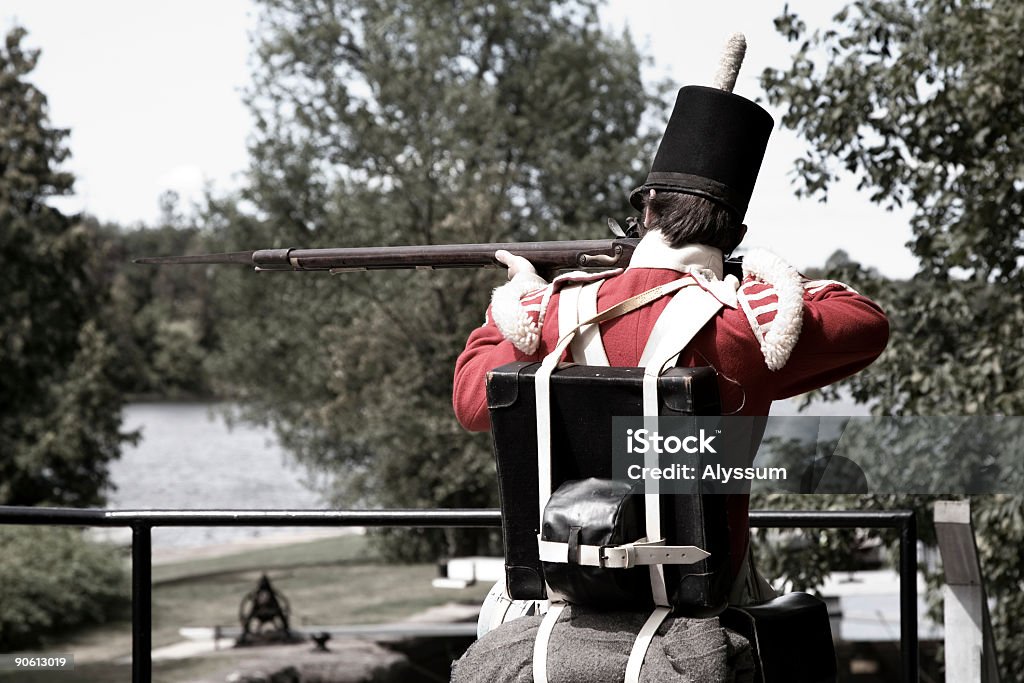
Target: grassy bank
[(328, 581)]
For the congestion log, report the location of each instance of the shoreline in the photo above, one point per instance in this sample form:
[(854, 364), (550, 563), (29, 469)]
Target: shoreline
[(175, 554), (172, 555)]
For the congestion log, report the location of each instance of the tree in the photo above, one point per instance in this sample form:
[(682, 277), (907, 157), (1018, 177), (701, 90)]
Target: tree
[(396, 122), (60, 414), (53, 579), (922, 100), (162, 320)]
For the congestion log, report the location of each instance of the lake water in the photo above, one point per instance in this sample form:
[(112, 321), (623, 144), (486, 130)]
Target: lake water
[(189, 458)]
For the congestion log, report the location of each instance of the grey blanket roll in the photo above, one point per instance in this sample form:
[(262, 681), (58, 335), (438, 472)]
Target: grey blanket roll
[(588, 646)]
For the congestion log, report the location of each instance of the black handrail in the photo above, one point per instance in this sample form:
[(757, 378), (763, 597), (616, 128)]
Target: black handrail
[(141, 522)]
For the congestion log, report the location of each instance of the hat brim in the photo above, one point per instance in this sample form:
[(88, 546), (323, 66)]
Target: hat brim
[(636, 198)]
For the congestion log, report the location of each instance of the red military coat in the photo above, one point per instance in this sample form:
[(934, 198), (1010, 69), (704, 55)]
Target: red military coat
[(778, 336)]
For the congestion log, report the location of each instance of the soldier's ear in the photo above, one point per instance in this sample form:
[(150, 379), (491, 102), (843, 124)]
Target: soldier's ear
[(647, 210)]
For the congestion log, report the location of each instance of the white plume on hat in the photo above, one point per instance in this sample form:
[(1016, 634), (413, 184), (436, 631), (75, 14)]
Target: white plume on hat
[(732, 60)]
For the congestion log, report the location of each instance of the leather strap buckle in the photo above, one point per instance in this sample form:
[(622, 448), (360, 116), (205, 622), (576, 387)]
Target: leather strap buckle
[(617, 556), (625, 556)]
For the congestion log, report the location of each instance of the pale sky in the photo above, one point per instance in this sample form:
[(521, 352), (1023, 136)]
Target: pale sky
[(151, 91)]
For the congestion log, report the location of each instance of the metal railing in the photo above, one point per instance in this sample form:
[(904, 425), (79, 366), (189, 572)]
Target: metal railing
[(142, 522)]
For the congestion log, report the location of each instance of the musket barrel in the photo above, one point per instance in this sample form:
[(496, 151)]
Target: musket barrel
[(566, 254)]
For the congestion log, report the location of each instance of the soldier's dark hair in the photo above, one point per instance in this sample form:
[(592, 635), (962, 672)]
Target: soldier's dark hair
[(689, 219)]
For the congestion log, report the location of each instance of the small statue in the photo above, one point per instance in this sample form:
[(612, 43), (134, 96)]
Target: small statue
[(264, 616)]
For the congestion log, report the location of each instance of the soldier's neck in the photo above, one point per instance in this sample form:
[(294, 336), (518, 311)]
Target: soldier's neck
[(654, 251)]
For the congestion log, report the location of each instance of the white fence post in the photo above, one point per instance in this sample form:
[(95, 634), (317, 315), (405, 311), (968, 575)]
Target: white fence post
[(970, 656)]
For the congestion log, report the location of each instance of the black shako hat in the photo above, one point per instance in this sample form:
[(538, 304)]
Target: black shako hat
[(713, 146)]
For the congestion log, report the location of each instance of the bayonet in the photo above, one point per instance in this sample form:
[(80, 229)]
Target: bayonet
[(229, 257)]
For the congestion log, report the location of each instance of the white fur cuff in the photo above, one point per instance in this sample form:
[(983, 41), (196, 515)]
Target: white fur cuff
[(778, 336), (512, 317)]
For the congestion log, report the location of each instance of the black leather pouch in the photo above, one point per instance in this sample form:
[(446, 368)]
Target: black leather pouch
[(583, 401), (791, 637), (603, 513)]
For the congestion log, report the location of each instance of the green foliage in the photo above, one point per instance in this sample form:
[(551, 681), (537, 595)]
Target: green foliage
[(397, 122), (52, 579), (162, 320), (922, 101), (59, 410)]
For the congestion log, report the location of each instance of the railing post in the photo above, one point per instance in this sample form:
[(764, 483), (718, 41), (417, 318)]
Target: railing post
[(970, 651), (908, 597), (142, 603)]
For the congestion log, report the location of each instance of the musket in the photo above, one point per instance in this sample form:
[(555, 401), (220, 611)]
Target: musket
[(555, 255), (546, 257)]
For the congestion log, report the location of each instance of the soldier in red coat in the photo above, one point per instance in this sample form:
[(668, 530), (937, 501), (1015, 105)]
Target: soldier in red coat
[(776, 335)]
